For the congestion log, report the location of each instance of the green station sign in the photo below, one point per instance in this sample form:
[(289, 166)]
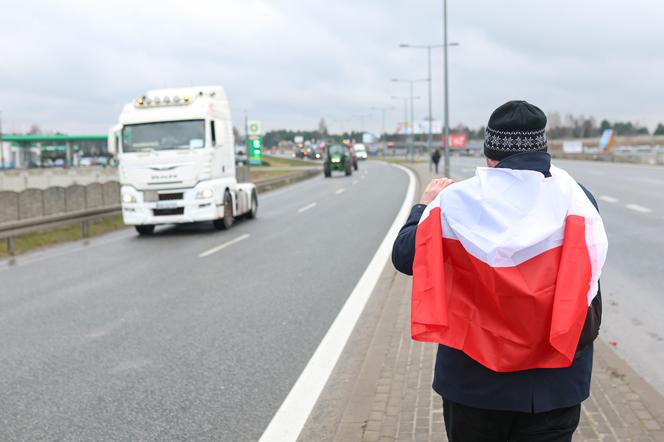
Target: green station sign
[(255, 150)]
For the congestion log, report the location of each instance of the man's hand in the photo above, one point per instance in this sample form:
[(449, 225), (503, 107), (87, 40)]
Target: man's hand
[(434, 188)]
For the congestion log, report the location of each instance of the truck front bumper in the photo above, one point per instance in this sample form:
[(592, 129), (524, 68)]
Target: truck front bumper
[(183, 206)]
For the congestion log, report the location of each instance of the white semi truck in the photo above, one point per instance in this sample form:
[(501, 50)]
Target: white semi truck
[(177, 160)]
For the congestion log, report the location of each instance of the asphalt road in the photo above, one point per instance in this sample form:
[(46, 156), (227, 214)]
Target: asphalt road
[(631, 201), (191, 334)]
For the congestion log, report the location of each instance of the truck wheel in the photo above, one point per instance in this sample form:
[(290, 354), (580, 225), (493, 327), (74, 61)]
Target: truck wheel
[(226, 221), (146, 229), (251, 214)]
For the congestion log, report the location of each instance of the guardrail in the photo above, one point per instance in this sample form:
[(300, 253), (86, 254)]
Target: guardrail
[(10, 230)]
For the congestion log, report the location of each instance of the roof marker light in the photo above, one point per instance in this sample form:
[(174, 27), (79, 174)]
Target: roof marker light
[(186, 99), (167, 99), (140, 101), (157, 100), (176, 99), (148, 101)]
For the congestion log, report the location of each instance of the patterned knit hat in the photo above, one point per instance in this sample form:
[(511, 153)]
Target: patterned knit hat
[(516, 126)]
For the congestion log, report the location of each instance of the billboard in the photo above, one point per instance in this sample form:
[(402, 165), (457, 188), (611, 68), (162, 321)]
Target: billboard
[(458, 141), (573, 146), (420, 128)]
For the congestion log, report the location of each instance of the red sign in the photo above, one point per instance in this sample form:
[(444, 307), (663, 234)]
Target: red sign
[(458, 141)]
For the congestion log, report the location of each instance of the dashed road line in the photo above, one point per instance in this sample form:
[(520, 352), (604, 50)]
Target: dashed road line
[(354, 182), (223, 246), (608, 199), (340, 191), (307, 207), (637, 208)]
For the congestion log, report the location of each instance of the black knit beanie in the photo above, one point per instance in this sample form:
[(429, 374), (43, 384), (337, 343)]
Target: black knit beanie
[(516, 126)]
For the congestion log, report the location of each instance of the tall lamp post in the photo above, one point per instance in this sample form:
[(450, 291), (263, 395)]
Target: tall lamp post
[(382, 119), (412, 99), (446, 99), (430, 118), (405, 107)]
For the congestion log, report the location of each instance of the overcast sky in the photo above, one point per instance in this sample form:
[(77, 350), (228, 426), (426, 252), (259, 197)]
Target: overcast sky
[(71, 65)]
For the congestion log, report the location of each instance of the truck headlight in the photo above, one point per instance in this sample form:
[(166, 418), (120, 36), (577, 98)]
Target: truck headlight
[(128, 199), (204, 194)]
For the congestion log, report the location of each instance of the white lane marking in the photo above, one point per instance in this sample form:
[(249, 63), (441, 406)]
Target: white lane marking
[(637, 208), (287, 423), (354, 182), (223, 246), (340, 191), (307, 207), (608, 199)]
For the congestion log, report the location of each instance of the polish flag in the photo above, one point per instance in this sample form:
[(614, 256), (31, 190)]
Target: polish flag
[(506, 265)]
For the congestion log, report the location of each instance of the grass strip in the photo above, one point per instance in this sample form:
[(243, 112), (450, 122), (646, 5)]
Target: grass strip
[(30, 241), (269, 160)]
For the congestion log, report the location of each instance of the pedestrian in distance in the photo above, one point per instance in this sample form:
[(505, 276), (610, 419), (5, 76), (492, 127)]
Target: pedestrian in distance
[(506, 268), (435, 159)]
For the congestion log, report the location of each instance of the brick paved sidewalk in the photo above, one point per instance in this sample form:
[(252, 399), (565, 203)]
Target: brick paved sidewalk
[(381, 390)]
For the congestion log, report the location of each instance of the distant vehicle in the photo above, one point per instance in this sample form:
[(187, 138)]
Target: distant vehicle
[(360, 151), (177, 160), (298, 152), (240, 156), (337, 158), (314, 154)]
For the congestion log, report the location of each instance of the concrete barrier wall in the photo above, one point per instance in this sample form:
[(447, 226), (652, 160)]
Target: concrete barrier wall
[(36, 203), (19, 180)]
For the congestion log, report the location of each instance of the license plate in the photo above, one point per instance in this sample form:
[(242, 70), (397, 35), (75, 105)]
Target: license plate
[(166, 205)]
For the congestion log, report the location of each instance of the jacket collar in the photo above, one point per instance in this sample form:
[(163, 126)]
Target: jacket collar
[(537, 161)]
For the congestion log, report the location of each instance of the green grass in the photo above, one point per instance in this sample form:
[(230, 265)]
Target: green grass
[(261, 173), (269, 160), (31, 241)]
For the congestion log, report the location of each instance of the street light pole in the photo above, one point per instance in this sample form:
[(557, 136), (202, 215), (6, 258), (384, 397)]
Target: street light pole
[(405, 107), (411, 144), (382, 118), (447, 113)]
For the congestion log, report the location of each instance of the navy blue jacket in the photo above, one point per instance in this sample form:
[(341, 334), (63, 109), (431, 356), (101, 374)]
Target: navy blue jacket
[(460, 379)]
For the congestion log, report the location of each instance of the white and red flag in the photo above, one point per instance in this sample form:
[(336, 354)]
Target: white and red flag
[(506, 265)]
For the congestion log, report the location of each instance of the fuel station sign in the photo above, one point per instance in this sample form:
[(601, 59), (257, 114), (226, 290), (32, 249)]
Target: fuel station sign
[(255, 150), (254, 142)]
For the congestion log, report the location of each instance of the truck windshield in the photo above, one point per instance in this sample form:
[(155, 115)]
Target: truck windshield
[(165, 135)]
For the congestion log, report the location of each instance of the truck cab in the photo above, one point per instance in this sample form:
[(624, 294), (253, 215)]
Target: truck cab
[(176, 156)]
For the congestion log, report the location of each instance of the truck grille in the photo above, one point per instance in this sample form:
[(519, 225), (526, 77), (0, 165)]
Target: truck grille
[(170, 196), (167, 212)]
